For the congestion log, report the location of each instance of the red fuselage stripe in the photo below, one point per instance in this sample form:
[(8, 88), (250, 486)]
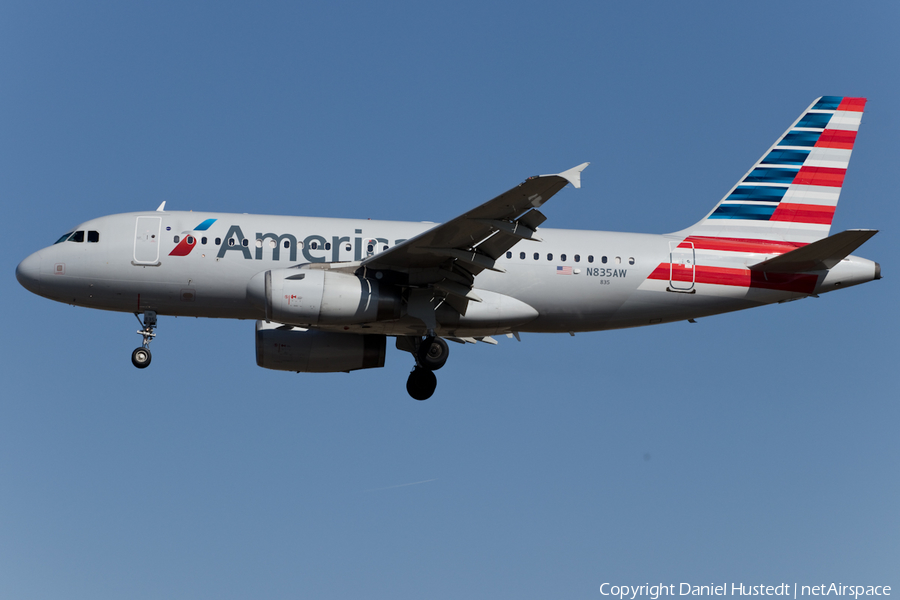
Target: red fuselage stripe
[(785, 282), (740, 245)]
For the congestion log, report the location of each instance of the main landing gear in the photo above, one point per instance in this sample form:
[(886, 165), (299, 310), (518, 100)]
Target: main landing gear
[(141, 356), (431, 354)]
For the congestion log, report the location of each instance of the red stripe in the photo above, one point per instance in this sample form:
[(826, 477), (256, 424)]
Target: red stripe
[(183, 248), (740, 245), (666, 271), (820, 176), (680, 273), (853, 104), (785, 282), (804, 213), (836, 138)]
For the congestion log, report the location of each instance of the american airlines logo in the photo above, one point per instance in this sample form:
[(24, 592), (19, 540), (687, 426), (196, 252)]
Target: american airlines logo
[(188, 242), (313, 248)]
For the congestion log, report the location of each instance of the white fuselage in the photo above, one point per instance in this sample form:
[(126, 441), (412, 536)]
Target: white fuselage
[(574, 280)]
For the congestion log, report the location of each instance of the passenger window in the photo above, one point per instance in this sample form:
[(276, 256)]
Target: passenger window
[(328, 245), (176, 239), (537, 256), (231, 242), (218, 241), (618, 260), (203, 241), (630, 260), (348, 247), (590, 258), (78, 236), (258, 242), (522, 255), (314, 245), (93, 236), (509, 255), (562, 257), (385, 247), (577, 258), (245, 242), (190, 240), (603, 260), (287, 243), (549, 256), (63, 238)]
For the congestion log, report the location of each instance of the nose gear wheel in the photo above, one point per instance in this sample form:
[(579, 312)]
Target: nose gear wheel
[(141, 357)]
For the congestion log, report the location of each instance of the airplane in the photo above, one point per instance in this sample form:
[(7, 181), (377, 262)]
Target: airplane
[(327, 293)]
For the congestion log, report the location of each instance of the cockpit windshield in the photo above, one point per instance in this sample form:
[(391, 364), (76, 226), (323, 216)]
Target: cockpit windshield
[(63, 238), (78, 237)]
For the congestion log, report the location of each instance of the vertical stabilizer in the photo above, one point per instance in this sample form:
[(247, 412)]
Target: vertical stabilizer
[(791, 193)]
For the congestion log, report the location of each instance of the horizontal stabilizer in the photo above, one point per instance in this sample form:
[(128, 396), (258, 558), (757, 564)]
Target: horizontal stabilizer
[(818, 256)]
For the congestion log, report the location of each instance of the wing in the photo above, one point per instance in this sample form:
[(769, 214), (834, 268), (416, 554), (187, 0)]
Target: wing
[(448, 256)]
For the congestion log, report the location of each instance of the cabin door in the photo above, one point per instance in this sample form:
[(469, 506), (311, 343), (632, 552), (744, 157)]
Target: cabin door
[(146, 240), (682, 265)]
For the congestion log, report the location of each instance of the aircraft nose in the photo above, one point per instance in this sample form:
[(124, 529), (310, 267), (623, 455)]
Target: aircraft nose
[(29, 273)]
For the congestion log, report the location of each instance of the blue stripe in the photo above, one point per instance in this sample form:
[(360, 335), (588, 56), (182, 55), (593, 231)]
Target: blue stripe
[(767, 175), (814, 120), (757, 193), (786, 157), (828, 103), (204, 225), (752, 212), (800, 138)]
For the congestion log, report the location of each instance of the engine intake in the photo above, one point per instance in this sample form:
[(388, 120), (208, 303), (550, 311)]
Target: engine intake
[(322, 297), (284, 348)]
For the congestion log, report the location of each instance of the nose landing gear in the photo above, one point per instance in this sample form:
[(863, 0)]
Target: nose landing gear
[(431, 354), (140, 358)]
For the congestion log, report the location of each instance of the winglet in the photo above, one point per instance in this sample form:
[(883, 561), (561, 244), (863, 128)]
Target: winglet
[(573, 175), (162, 207)]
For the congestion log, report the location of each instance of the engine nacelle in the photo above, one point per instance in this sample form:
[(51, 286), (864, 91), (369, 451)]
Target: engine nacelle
[(322, 297), (283, 348)]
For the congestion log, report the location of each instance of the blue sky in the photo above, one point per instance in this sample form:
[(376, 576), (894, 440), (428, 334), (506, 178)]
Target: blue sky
[(753, 447)]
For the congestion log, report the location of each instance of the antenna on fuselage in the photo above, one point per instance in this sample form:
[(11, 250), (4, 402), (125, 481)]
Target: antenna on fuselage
[(162, 207)]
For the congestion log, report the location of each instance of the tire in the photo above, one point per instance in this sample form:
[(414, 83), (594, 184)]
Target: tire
[(433, 353), (421, 384), (141, 358)]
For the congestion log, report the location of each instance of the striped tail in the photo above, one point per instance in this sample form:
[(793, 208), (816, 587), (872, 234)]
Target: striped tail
[(791, 193)]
